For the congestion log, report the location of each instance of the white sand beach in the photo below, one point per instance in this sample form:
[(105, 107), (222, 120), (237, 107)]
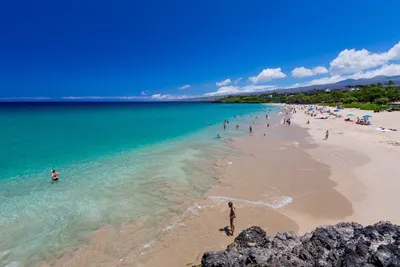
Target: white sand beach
[(363, 162)]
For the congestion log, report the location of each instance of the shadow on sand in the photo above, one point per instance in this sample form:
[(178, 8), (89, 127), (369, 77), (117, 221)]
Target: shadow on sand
[(226, 230)]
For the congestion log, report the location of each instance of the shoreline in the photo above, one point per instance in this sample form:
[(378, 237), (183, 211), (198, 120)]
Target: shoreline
[(288, 180)]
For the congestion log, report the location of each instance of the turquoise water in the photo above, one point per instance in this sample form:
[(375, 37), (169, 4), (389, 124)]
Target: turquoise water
[(118, 162)]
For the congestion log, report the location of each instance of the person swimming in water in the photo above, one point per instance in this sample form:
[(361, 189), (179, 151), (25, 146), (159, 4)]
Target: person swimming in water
[(54, 175), (232, 216)]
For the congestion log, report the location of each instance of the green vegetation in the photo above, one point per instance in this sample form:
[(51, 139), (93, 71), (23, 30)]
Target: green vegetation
[(366, 97)]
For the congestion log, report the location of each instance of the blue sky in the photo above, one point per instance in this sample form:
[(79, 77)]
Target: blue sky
[(174, 49)]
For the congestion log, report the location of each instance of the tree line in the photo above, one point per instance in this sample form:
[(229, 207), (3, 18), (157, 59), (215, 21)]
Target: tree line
[(374, 96)]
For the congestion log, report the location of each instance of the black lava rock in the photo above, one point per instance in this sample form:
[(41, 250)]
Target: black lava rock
[(343, 244)]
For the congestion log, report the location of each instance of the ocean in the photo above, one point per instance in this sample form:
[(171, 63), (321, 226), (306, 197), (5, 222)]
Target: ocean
[(118, 162)]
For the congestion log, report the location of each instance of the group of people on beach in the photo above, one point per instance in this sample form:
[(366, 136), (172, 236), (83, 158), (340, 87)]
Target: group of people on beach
[(312, 112)]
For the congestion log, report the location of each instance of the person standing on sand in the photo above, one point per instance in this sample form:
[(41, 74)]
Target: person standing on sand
[(232, 216), (250, 129), (326, 134)]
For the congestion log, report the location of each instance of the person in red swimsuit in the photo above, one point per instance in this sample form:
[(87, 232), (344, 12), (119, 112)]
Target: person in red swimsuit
[(54, 175)]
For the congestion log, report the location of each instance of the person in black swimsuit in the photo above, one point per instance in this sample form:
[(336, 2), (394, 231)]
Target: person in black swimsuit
[(54, 175)]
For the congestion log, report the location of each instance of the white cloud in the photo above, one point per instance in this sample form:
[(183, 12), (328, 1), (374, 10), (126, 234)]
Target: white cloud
[(301, 72), (385, 70), (186, 86), (238, 80), (161, 97), (224, 82), (268, 75), (255, 88), (325, 80), (143, 93), (320, 70), (304, 72), (351, 61), (227, 90)]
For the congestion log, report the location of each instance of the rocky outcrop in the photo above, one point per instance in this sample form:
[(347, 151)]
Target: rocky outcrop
[(344, 244)]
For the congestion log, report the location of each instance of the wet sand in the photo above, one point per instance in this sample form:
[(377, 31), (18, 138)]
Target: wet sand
[(271, 177)]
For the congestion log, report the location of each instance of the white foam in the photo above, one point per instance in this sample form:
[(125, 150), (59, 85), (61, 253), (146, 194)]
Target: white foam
[(148, 245), (191, 210), (169, 228), (277, 203), (12, 264), (294, 143), (143, 249), (4, 253)]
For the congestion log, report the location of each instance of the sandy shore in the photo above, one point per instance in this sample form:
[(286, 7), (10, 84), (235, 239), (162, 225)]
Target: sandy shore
[(289, 179), (363, 162)]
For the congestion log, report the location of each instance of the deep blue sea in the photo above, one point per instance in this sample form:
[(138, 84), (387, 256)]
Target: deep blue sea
[(117, 162)]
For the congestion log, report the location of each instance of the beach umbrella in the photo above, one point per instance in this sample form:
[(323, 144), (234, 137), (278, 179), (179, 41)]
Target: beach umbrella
[(350, 115), (367, 116)]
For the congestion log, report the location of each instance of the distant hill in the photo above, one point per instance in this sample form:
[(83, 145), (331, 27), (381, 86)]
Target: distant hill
[(377, 79), (333, 86)]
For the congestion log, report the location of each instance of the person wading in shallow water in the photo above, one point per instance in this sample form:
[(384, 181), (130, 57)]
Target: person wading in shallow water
[(232, 216), (54, 175)]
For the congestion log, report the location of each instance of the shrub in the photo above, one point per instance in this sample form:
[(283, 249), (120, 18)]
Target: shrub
[(350, 99), (381, 101), (352, 105), (372, 106)]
